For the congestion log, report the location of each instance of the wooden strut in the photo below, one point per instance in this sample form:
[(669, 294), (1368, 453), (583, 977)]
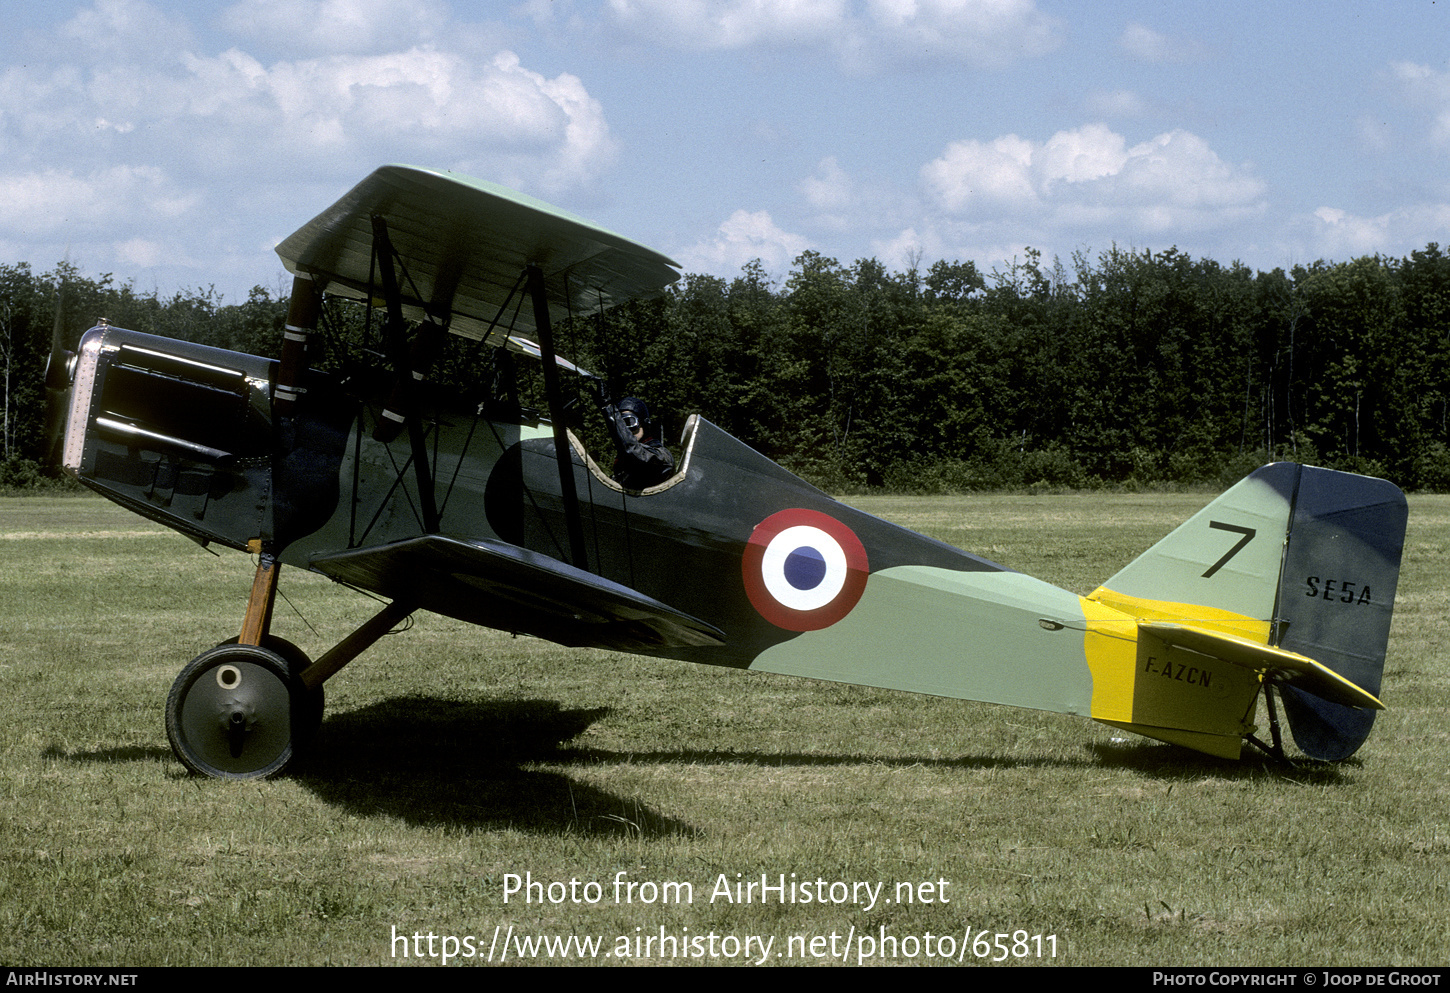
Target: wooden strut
[(302, 313), (256, 626), (258, 622), (356, 643)]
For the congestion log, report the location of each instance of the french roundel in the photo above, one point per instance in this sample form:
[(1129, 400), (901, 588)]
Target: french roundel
[(803, 570)]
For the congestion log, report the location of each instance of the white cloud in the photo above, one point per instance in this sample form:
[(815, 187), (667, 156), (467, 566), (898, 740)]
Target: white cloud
[(1118, 103), (974, 173), (1147, 45), (335, 26), (140, 252), (1090, 176), (906, 248), (1144, 43), (982, 32), (1090, 152), (732, 23), (1184, 168), (830, 188), (859, 32), (212, 150), (1337, 234), (128, 29), (56, 202), (418, 94), (1431, 89), (745, 236), (847, 207), (209, 115)]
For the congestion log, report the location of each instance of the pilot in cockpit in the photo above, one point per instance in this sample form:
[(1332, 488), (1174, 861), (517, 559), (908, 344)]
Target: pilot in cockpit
[(641, 459)]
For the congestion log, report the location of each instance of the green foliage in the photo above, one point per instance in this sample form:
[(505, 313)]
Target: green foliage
[(20, 474), (1432, 467), (1123, 369)]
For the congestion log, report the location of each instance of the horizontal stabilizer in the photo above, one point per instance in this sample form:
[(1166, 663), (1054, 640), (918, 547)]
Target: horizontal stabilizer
[(503, 586), (1290, 667)]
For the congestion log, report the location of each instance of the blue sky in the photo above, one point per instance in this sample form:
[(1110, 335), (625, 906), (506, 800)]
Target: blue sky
[(173, 144)]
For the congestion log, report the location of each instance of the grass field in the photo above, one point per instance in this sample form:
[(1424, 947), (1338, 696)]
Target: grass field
[(454, 759)]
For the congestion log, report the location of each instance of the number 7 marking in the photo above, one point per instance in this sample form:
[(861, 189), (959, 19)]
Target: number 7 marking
[(1248, 536)]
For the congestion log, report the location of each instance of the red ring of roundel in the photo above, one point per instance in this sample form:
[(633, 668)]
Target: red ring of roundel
[(778, 613)]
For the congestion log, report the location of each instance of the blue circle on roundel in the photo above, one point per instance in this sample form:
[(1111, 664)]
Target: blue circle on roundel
[(805, 568)]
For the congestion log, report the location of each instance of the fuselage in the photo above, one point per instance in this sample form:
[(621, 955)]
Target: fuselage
[(795, 581)]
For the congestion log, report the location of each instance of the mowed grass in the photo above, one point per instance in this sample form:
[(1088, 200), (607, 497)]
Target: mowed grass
[(452, 757)]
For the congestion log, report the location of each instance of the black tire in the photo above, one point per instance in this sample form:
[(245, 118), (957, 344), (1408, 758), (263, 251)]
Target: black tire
[(232, 711)]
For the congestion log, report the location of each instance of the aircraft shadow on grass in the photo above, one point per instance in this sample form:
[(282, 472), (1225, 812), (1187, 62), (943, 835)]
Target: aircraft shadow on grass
[(440, 742), (464, 765), (1174, 764), (108, 756), (1147, 758)]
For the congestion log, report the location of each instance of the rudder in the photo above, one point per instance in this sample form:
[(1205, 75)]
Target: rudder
[(1336, 598)]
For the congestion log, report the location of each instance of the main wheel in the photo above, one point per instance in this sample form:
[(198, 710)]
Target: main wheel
[(235, 713), (296, 660)]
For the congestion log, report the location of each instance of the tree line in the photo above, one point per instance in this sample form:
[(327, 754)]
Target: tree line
[(1121, 368)]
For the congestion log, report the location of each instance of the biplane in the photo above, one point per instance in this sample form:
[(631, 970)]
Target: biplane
[(498, 515)]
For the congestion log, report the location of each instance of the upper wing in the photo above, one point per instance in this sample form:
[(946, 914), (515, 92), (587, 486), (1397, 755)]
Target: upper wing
[(464, 243)]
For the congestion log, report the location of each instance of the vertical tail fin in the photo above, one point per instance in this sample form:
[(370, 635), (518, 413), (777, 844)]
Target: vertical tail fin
[(1220, 569), (1295, 557)]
